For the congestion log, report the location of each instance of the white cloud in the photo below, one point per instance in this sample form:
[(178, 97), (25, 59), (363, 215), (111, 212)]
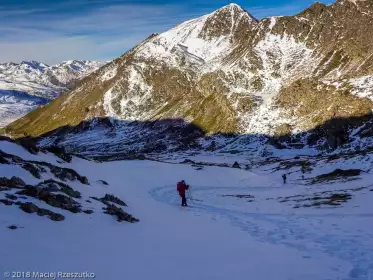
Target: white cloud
[(101, 34)]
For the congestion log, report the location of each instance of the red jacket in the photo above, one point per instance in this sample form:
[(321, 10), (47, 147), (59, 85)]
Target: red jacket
[(181, 188)]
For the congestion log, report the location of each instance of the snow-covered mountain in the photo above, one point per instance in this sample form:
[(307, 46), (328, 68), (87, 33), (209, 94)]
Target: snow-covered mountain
[(269, 122), (29, 84), (303, 81)]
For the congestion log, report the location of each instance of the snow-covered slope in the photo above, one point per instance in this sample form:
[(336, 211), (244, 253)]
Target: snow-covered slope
[(29, 84), (240, 224)]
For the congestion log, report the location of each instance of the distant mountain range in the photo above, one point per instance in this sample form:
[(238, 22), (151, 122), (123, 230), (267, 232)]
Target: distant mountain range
[(303, 81), (29, 84)]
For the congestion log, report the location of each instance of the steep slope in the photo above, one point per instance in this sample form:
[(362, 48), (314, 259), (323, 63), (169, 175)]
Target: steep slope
[(29, 84), (226, 72)]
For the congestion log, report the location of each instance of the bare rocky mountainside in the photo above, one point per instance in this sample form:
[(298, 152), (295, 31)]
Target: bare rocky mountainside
[(29, 84), (227, 82)]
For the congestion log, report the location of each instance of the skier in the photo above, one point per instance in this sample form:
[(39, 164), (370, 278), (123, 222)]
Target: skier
[(284, 178), (181, 188)]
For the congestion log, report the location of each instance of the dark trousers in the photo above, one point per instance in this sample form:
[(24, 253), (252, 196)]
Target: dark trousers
[(183, 200)]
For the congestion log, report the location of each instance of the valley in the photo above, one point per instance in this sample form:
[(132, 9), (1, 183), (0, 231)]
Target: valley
[(269, 121)]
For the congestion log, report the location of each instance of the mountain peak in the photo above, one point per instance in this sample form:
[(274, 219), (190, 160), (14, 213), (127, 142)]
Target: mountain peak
[(232, 6), (233, 9), (226, 21)]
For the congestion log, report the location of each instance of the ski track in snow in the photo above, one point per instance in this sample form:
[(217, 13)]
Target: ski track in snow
[(217, 238), (284, 229)]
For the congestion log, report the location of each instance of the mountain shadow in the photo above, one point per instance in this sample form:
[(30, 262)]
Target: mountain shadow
[(111, 139), (17, 96)]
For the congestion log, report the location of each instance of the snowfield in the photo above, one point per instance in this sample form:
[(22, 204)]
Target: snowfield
[(221, 236)]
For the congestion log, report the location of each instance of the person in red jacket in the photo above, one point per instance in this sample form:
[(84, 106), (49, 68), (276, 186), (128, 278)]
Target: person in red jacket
[(181, 188)]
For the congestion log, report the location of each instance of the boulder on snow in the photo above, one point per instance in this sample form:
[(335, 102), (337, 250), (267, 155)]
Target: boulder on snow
[(6, 202), (236, 165), (29, 207), (44, 212), (55, 200), (114, 199), (64, 173), (57, 217), (113, 210), (84, 180), (337, 174), (11, 196), (13, 182), (34, 170), (103, 182), (53, 186)]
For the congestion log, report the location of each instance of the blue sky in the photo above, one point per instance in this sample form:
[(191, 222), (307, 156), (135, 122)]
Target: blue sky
[(54, 30)]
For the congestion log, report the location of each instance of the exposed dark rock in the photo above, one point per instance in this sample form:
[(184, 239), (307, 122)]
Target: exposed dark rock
[(88, 201), (84, 180), (112, 198), (238, 195), (63, 202), (141, 157), (13, 182), (29, 144), (103, 182), (63, 173), (57, 217), (335, 139), (212, 146), (70, 192), (11, 196), (88, 211), (53, 186), (3, 160), (60, 152), (236, 165), (29, 207), (17, 181), (275, 143), (113, 210), (12, 227), (35, 171), (44, 212), (55, 200), (188, 161), (6, 202), (337, 174)]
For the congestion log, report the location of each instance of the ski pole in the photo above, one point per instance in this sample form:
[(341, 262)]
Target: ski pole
[(190, 192), (190, 195)]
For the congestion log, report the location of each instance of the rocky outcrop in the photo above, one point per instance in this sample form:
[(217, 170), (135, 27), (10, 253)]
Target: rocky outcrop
[(55, 200), (30, 208), (113, 210), (14, 182), (114, 199)]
